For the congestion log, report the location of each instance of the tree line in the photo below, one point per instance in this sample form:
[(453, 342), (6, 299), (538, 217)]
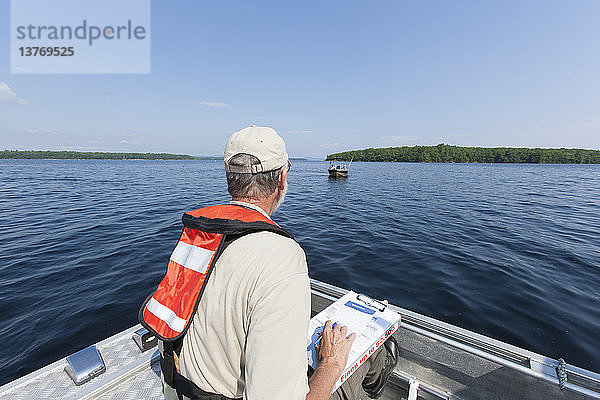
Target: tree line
[(78, 155), (443, 153)]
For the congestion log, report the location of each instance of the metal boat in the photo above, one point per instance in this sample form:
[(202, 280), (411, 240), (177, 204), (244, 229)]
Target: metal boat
[(339, 168), (437, 361)]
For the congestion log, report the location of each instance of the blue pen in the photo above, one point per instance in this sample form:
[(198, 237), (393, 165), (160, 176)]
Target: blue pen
[(320, 337)]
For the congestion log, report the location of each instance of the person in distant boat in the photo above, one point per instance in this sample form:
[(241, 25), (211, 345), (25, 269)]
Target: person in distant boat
[(233, 310)]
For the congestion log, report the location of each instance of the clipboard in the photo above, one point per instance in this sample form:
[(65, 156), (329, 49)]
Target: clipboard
[(371, 320)]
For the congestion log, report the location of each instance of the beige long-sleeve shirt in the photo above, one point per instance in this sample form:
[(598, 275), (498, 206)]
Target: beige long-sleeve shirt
[(248, 337)]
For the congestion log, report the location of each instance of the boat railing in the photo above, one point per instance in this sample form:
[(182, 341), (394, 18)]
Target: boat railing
[(130, 363), (533, 364)]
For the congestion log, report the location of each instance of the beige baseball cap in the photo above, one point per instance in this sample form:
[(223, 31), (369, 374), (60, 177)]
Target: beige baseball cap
[(261, 142)]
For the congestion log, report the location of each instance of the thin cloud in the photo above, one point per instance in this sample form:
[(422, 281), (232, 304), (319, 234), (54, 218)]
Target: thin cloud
[(298, 131), (42, 131), (330, 146), (8, 96), (305, 133), (212, 104), (131, 140), (397, 140), (133, 135), (134, 132)]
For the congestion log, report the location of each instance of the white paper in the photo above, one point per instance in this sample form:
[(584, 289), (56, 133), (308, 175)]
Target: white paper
[(370, 320)]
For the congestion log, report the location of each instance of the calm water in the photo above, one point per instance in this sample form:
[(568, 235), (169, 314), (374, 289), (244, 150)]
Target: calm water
[(510, 251)]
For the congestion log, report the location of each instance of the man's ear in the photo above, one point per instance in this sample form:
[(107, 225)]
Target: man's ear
[(282, 178)]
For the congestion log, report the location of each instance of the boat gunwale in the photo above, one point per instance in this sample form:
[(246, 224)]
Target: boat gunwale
[(473, 343), (101, 383), (541, 366)]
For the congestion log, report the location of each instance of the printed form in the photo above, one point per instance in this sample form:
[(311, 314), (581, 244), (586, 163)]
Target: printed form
[(372, 321)]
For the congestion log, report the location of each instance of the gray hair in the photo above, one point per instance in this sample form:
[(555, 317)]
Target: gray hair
[(251, 186)]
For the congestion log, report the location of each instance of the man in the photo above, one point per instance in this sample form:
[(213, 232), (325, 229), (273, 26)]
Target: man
[(247, 336)]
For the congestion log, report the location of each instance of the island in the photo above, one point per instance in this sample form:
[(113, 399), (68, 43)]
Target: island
[(80, 155), (443, 153), (94, 155)]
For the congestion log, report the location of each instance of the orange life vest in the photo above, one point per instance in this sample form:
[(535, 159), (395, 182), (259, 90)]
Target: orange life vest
[(168, 312)]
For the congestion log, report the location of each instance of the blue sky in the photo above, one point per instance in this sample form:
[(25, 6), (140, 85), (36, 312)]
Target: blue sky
[(329, 76)]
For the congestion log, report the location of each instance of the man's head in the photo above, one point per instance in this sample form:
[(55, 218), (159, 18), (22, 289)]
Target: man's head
[(256, 165)]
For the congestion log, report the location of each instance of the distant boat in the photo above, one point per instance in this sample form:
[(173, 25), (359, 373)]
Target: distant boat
[(339, 168)]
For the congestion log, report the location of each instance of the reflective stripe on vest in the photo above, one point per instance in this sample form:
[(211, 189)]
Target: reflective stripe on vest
[(169, 310)]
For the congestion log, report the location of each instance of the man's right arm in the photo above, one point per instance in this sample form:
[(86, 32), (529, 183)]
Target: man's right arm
[(333, 356)]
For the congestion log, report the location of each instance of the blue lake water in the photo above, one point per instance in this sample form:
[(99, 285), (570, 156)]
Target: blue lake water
[(510, 251)]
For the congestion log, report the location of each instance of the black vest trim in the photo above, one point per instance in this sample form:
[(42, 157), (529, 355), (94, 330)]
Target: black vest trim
[(229, 226), (182, 385)]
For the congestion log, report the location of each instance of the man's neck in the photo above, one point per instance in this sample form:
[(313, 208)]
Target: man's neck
[(266, 205)]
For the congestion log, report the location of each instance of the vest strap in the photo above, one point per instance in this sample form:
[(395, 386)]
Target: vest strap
[(167, 363), (182, 385)]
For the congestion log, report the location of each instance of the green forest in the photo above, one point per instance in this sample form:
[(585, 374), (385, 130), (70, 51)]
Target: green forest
[(443, 153), (77, 155)]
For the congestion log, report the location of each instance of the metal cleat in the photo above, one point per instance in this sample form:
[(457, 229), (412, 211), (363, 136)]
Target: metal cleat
[(144, 339), (85, 365)]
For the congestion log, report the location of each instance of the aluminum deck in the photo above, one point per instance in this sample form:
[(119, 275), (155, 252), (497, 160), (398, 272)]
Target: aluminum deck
[(448, 362)]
